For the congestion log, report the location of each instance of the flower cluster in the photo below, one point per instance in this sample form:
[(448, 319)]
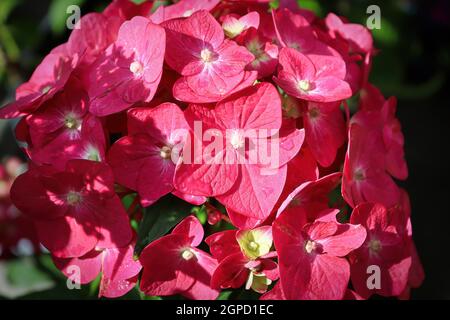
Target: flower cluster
[(263, 118)]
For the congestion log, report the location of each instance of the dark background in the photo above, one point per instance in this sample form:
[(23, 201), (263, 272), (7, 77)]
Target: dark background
[(413, 64)]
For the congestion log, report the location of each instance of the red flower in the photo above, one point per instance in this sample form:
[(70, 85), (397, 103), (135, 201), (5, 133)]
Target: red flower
[(294, 31), (325, 130), (125, 9), (75, 210), (173, 264), (62, 129), (316, 78), (94, 33), (211, 67), (383, 123), (387, 246), (145, 159), (358, 36), (366, 177), (130, 70), (311, 256), (228, 174), (312, 197)]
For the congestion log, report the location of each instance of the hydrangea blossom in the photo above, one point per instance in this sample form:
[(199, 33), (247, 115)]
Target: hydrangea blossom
[(160, 118)]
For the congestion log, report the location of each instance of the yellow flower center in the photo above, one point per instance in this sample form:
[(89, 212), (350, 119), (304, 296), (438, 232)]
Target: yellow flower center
[(304, 85), (73, 198), (136, 68), (206, 55), (71, 122), (187, 254), (255, 243), (310, 246), (375, 246), (253, 246), (165, 152)]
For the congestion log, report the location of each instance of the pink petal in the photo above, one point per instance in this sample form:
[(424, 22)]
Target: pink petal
[(325, 130), (186, 38), (191, 228), (187, 89), (348, 237), (222, 244), (256, 192), (328, 89), (164, 123), (257, 107), (113, 223), (231, 272), (74, 237), (89, 266), (114, 87), (181, 9)]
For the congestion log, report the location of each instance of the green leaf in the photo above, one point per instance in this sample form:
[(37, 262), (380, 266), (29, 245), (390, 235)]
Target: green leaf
[(128, 200), (200, 213), (6, 6), (46, 264), (23, 273), (387, 34), (94, 285), (22, 276), (159, 219), (312, 5), (274, 4), (7, 41), (225, 295), (157, 4)]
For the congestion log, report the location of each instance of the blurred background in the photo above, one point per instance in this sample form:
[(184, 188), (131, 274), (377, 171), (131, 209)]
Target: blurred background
[(413, 64)]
